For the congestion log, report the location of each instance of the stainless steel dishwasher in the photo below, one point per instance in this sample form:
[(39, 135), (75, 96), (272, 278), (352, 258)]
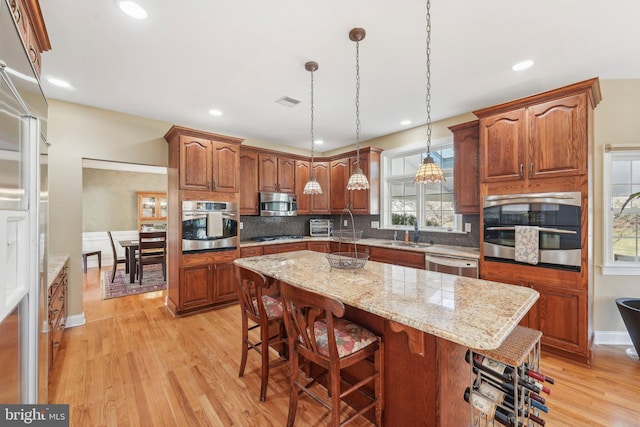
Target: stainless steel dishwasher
[(466, 267)]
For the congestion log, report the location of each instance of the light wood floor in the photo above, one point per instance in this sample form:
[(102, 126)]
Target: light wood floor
[(133, 364)]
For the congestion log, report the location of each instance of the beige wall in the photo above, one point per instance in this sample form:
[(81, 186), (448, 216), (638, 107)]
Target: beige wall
[(617, 123), (77, 131)]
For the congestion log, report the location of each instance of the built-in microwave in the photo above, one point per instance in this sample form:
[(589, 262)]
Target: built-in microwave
[(209, 225), (278, 204), (555, 216)]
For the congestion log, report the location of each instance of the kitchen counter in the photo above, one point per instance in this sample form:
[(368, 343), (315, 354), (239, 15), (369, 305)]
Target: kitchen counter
[(447, 250), (54, 267), (471, 312)]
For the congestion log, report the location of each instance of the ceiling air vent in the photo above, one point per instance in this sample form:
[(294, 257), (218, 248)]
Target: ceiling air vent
[(288, 101)]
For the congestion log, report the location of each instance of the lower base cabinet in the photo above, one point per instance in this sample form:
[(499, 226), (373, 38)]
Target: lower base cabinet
[(206, 280), (57, 312)]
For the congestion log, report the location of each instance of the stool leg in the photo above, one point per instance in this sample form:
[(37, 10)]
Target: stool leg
[(84, 263), (99, 260)]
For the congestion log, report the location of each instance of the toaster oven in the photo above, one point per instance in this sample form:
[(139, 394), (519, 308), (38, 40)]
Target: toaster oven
[(320, 227)]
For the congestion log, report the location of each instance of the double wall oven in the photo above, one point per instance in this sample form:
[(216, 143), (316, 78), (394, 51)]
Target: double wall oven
[(556, 216), (209, 225)]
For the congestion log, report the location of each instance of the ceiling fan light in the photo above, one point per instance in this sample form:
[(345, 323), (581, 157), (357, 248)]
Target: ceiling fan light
[(312, 187), (358, 181), (429, 171)]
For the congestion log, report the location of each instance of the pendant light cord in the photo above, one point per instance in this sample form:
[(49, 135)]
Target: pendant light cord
[(428, 98), (357, 103), (312, 137)]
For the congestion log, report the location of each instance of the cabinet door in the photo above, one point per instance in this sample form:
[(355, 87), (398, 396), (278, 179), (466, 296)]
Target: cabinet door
[(286, 175), (397, 257), (303, 173), (339, 170), (320, 203), (248, 182), (503, 147), (226, 167), (558, 137), (195, 164), (466, 191), (561, 315), (318, 246), (225, 283), (360, 198), (196, 288), (284, 247), (268, 172)]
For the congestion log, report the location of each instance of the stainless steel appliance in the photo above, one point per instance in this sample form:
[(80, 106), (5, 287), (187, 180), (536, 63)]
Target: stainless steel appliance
[(320, 227), (209, 225), (278, 204), (23, 222), (452, 265), (556, 216)]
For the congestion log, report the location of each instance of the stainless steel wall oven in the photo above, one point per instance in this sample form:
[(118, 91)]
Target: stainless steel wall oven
[(209, 225), (556, 216)]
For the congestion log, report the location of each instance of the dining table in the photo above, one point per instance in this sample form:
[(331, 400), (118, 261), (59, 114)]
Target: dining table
[(130, 248)]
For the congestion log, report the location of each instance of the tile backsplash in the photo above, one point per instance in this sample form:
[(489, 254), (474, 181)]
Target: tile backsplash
[(257, 226)]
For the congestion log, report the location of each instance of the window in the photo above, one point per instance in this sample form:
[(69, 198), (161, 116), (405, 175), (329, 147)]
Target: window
[(404, 203), (622, 229)]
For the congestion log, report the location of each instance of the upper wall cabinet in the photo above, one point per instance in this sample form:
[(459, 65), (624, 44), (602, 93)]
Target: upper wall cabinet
[(363, 202), (466, 191), (313, 203), (28, 17), (276, 173), (207, 162), (249, 182), (543, 136)]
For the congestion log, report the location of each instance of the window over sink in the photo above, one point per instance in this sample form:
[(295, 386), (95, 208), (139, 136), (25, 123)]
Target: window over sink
[(404, 203)]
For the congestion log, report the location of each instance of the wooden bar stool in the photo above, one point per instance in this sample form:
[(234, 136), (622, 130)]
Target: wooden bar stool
[(308, 317), (86, 254), (265, 310)]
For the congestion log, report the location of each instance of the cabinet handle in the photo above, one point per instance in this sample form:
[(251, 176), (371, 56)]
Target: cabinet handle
[(54, 312), (56, 344), (521, 170), (531, 170), (61, 298)]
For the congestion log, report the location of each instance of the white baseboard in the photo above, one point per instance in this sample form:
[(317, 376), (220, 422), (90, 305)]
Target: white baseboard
[(612, 338), (75, 320)]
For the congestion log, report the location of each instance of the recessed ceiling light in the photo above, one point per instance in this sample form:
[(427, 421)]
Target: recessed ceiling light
[(522, 65), (215, 112), (133, 9), (59, 82), (405, 122), (319, 141)]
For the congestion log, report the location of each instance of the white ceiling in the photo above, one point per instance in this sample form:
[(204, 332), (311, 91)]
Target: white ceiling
[(240, 56)]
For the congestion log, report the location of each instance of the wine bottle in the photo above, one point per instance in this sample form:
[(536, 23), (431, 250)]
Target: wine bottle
[(490, 409), (503, 372), (508, 387), (492, 393)]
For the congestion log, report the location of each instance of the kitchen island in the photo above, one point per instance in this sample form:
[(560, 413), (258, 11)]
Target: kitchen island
[(428, 321)]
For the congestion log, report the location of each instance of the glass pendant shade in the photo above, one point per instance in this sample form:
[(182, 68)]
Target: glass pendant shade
[(358, 181), (312, 187), (428, 171)]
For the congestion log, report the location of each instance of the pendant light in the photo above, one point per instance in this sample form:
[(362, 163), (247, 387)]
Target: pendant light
[(428, 171), (312, 186), (357, 181)]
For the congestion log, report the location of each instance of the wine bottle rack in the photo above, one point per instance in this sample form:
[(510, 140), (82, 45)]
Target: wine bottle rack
[(503, 387)]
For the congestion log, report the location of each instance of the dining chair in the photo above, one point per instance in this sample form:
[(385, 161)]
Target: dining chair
[(116, 259), (308, 317), (265, 311), (152, 249)]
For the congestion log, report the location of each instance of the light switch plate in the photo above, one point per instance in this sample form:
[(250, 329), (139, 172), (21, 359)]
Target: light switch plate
[(467, 227), (346, 223), (241, 225), (375, 224)]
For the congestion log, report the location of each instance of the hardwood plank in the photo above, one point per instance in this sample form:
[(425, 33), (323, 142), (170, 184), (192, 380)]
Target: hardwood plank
[(134, 364)]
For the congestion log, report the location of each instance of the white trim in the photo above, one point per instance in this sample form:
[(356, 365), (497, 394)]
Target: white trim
[(75, 320), (126, 167), (612, 338), (620, 270)]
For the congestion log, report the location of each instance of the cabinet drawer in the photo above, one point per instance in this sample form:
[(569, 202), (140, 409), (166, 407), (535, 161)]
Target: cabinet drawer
[(397, 257), (318, 246), (251, 251), (285, 247)]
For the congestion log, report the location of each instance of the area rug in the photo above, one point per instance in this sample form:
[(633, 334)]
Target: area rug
[(152, 281)]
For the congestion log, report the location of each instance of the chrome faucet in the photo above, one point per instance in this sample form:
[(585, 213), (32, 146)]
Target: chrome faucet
[(395, 235), (416, 232)]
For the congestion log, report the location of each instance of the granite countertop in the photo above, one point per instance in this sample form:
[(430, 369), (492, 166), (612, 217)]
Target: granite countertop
[(447, 250), (471, 312), (54, 267)]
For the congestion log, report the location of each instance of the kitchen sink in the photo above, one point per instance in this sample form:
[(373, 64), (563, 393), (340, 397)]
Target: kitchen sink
[(410, 244)]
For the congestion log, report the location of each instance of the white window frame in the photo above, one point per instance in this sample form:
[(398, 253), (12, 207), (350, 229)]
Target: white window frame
[(385, 223), (610, 266)]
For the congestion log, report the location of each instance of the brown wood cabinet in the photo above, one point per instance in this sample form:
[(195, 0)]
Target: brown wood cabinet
[(466, 184), (57, 312), (209, 165), (152, 208), (361, 202), (276, 173), (251, 251), (28, 17), (248, 182), (312, 203), (284, 247), (397, 257), (318, 246)]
